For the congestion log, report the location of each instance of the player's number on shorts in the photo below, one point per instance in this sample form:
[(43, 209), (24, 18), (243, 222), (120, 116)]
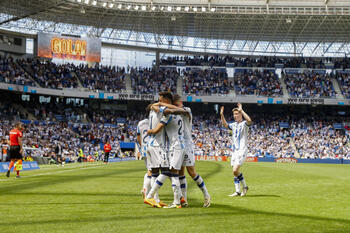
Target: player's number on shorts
[(180, 124), (144, 139)]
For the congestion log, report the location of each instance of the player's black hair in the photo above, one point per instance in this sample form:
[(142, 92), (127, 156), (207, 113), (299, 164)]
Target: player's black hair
[(167, 95), (176, 97)]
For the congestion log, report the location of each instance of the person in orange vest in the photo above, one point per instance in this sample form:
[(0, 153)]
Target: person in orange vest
[(107, 148), (16, 149)]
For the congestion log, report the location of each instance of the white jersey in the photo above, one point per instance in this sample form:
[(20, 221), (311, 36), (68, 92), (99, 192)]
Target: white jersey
[(175, 131), (188, 127), (142, 128), (239, 135), (155, 118)]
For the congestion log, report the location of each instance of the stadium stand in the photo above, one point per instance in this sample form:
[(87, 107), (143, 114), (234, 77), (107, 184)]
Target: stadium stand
[(153, 80), (206, 82), (310, 84), (261, 83)]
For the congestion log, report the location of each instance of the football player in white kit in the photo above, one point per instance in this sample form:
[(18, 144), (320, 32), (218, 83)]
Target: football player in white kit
[(157, 153), (189, 158), (142, 139), (240, 129)]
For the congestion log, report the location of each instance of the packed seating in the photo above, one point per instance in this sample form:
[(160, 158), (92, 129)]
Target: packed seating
[(309, 84), (153, 80), (11, 72), (206, 82), (344, 83), (109, 79), (51, 75), (254, 82), (308, 136), (299, 62)]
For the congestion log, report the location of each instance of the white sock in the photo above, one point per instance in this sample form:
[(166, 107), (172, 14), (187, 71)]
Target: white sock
[(200, 183), (147, 183), (176, 189), (183, 186), (242, 180), (237, 185), (156, 185)]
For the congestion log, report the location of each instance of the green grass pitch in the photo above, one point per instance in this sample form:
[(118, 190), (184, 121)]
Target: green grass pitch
[(106, 198)]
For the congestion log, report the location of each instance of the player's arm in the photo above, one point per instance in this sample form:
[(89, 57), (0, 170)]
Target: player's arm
[(156, 129), (178, 111), (168, 105), (223, 120), (20, 144), (245, 115), (138, 139)]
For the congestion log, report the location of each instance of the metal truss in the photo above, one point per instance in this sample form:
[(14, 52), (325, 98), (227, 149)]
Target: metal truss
[(317, 30)]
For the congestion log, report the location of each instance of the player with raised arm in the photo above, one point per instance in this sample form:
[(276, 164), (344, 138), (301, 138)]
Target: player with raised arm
[(189, 159), (240, 131), (158, 156)]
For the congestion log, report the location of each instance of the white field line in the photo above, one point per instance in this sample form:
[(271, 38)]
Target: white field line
[(61, 171)]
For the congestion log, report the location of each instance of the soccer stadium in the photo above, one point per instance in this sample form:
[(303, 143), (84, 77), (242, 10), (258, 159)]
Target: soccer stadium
[(174, 116)]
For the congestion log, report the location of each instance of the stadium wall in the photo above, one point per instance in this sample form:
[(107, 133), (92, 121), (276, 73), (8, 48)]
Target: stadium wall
[(150, 97), (26, 166)]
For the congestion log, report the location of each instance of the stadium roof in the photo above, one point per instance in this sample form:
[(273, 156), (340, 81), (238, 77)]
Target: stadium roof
[(322, 22)]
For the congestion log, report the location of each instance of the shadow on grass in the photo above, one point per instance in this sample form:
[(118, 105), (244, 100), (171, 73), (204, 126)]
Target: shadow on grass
[(52, 180), (80, 194), (71, 203), (261, 195), (220, 210)]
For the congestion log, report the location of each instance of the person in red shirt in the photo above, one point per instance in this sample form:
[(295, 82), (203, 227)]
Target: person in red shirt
[(107, 148), (16, 149)]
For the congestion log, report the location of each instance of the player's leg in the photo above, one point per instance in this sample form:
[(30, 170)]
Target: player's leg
[(12, 163), (146, 183), (158, 183), (241, 177), (156, 161), (200, 183), (235, 171), (183, 186), (176, 158), (175, 184)]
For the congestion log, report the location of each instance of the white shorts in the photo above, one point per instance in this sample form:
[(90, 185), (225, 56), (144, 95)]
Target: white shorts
[(238, 157), (176, 158), (189, 159), (156, 157)]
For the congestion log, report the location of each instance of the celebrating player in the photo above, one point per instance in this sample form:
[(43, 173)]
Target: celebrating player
[(142, 139), (16, 149), (157, 155), (189, 159), (239, 145)]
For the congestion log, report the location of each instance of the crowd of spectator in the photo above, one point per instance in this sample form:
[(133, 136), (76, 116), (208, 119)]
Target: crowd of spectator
[(254, 82), (11, 72), (108, 79), (344, 83), (299, 62), (153, 80), (51, 75), (206, 82), (310, 84), (307, 136)]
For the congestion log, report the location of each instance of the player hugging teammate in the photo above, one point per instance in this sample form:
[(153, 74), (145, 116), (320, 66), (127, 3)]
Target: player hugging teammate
[(167, 147)]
